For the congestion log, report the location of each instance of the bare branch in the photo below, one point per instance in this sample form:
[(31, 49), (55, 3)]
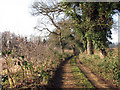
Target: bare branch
[(37, 27), (53, 22)]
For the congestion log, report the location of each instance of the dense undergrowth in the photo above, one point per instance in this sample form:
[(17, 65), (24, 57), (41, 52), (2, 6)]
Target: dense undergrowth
[(28, 63), (79, 78), (31, 64), (29, 75), (107, 68)]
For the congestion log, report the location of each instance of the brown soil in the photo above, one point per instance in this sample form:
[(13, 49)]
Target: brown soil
[(63, 77), (96, 80)]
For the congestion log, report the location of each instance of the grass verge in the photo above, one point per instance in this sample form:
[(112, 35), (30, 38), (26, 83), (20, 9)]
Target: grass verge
[(107, 68), (80, 79)]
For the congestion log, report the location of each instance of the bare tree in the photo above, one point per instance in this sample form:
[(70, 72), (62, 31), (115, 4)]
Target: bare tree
[(53, 11)]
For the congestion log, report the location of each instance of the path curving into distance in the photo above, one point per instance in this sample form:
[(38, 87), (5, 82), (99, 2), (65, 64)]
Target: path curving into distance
[(63, 77)]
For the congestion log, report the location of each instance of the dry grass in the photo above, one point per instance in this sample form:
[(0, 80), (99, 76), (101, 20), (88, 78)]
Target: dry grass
[(41, 58)]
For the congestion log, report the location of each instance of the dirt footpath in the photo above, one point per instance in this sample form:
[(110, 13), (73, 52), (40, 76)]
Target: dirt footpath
[(97, 81), (63, 77)]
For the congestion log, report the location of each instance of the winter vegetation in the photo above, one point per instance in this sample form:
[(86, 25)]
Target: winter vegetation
[(82, 29)]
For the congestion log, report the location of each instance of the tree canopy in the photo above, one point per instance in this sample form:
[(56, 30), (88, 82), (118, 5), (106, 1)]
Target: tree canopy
[(91, 20)]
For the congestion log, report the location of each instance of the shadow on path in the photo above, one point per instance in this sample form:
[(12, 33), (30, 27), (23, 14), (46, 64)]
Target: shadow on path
[(56, 81)]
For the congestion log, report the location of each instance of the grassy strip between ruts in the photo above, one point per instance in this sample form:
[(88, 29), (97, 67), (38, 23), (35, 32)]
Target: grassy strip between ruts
[(80, 79)]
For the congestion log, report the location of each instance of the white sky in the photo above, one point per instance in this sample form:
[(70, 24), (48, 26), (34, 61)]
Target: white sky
[(15, 17), (114, 31)]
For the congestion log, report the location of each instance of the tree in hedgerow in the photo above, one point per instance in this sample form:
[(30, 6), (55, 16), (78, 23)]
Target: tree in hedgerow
[(94, 22), (52, 11)]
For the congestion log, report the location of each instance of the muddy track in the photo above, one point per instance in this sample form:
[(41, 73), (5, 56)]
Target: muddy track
[(63, 77), (97, 81)]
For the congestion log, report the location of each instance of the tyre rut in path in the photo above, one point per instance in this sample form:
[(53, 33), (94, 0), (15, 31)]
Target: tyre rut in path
[(95, 80), (63, 77)]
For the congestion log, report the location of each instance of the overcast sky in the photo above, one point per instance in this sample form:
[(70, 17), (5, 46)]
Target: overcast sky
[(15, 17)]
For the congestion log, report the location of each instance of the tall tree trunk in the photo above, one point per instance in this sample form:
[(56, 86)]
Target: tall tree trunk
[(89, 47), (73, 47), (61, 43), (103, 53), (75, 50)]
